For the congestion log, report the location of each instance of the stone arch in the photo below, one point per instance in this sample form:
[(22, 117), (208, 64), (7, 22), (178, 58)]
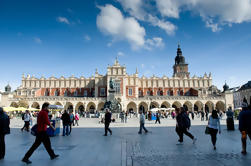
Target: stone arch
[(176, 104), (35, 105), (14, 104), (23, 103), (220, 106), (165, 104), (79, 106), (69, 106), (154, 104), (101, 106), (91, 107), (198, 106), (188, 106), (209, 106), (143, 107), (131, 107)]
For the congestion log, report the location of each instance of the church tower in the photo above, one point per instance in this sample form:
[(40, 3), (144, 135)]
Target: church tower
[(180, 68)]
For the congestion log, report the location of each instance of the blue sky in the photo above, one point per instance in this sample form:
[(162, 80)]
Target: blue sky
[(50, 37)]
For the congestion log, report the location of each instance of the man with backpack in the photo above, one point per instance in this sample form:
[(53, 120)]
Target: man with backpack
[(183, 125), (26, 118)]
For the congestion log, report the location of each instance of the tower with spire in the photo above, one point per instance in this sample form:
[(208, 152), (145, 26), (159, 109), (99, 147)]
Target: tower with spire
[(180, 68)]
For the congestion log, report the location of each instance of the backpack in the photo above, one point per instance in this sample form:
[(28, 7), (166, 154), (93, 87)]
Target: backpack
[(22, 116), (187, 121)]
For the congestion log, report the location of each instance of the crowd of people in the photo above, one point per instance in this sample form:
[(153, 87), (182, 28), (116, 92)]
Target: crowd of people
[(183, 124)]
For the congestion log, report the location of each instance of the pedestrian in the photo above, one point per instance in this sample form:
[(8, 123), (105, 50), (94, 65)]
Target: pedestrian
[(245, 124), (122, 116), (26, 118), (41, 137), (66, 123), (202, 115), (126, 116), (108, 119), (4, 129), (142, 122), (192, 115), (183, 125), (230, 119), (77, 118), (207, 113), (214, 126), (157, 117), (71, 121)]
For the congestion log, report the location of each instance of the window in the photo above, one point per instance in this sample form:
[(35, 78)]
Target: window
[(168, 93), (102, 92), (178, 92), (93, 93), (29, 93), (148, 93), (66, 93), (56, 93), (33, 92), (130, 92), (76, 93), (117, 86), (159, 93), (46, 93), (19, 93), (140, 93), (85, 93)]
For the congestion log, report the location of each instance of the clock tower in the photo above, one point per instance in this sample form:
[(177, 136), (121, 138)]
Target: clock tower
[(180, 68)]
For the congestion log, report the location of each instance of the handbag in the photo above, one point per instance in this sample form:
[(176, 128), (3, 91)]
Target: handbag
[(207, 130), (34, 130)]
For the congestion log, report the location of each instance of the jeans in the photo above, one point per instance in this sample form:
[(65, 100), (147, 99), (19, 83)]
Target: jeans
[(213, 133), (26, 126), (2, 146), (41, 137), (157, 120), (107, 128), (181, 132), (142, 125), (65, 127)]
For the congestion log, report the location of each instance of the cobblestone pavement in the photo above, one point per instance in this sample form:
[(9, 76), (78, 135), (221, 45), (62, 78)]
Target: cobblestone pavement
[(87, 146)]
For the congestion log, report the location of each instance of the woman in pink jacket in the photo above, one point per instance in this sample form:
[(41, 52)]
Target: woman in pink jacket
[(76, 118)]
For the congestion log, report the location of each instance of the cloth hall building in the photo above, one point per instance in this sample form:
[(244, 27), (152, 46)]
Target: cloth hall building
[(133, 92)]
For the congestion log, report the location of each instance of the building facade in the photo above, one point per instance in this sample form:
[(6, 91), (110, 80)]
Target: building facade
[(133, 92), (242, 92)]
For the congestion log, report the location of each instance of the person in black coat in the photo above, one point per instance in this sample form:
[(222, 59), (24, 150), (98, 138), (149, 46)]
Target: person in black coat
[(245, 125), (108, 119), (4, 129), (183, 125), (66, 122)]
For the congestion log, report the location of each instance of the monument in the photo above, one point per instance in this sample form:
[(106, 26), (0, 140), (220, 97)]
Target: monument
[(112, 103)]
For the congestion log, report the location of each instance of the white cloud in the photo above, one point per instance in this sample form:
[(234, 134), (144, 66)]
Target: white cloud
[(120, 53), (134, 7), (110, 21), (156, 42), (87, 37), (142, 65), (165, 25), (215, 13), (138, 9), (63, 20), (37, 40)]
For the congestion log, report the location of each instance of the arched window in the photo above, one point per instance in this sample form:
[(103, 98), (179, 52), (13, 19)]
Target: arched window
[(47, 92), (56, 92), (76, 93), (160, 93), (66, 92), (168, 93)]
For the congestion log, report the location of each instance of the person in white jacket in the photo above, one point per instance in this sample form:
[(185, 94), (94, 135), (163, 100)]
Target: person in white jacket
[(214, 126), (142, 123)]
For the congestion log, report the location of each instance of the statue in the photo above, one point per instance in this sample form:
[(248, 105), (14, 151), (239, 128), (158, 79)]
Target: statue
[(111, 84)]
